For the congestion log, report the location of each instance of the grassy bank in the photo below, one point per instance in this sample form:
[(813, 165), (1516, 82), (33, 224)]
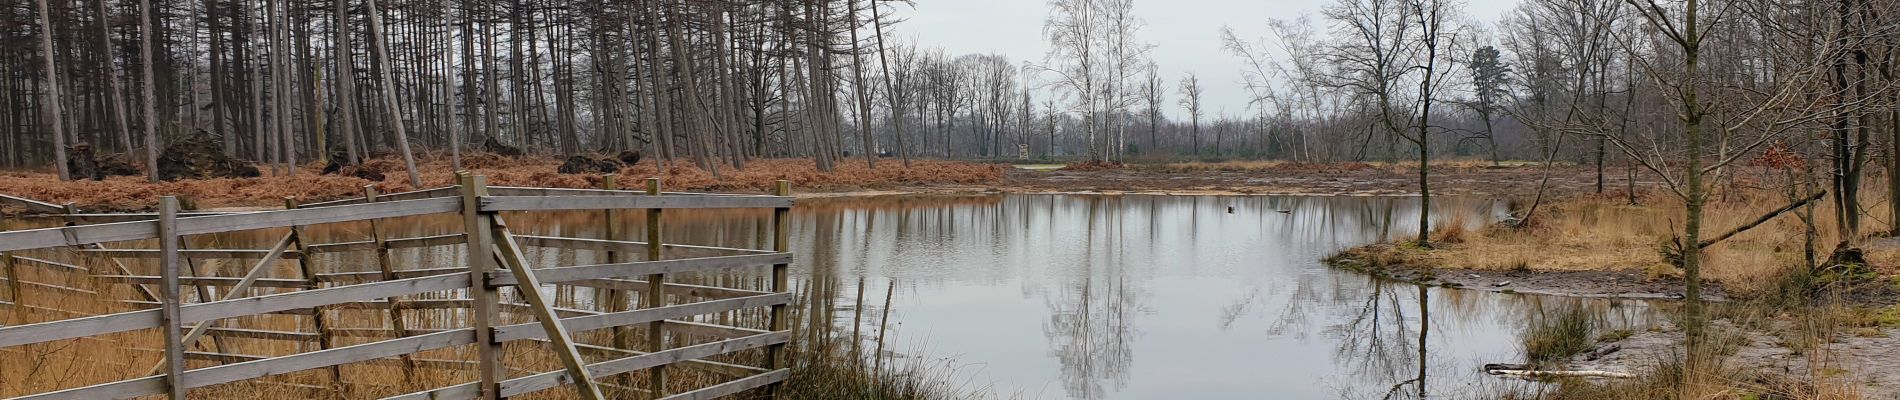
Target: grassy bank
[(1597, 233), (437, 170), (1754, 350), (1794, 325)]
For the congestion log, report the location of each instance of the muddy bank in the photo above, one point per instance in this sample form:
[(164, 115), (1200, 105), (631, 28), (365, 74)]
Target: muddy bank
[(1611, 283), (1307, 179), (1850, 344), (1285, 179), (1862, 359)]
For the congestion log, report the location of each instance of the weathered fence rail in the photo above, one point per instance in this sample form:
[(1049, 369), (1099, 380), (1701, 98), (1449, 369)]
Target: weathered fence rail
[(495, 262)]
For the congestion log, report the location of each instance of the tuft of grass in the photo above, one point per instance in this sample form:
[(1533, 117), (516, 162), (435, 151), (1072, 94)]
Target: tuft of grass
[(831, 375), (1452, 228), (1555, 336)]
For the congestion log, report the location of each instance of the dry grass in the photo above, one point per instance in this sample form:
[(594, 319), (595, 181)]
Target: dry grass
[(1405, 167), (73, 363), (1668, 379), (1589, 232), (1254, 166), (1760, 267), (1557, 335), (1735, 363), (134, 193)]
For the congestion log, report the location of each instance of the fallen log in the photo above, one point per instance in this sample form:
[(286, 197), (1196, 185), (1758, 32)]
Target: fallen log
[(1602, 351), (1764, 218), (1528, 371), (1520, 373)]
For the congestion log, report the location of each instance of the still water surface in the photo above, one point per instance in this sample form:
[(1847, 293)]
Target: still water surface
[(1100, 297), (1150, 297)]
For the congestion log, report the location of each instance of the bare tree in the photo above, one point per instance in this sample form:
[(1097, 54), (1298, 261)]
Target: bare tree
[(1432, 20), (1074, 60), (1386, 44), (1152, 94), (116, 122), (1124, 57), (897, 94), (858, 87), (1190, 101)]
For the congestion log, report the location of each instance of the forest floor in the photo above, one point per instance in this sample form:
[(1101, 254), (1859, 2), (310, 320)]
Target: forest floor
[(852, 177), (307, 184)]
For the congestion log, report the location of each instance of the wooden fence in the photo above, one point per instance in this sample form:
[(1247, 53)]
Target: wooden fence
[(495, 261)]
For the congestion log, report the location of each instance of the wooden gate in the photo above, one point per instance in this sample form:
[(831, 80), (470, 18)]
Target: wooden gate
[(638, 322)]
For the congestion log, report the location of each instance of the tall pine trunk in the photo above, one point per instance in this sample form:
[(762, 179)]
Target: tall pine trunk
[(55, 120), (389, 93), (114, 97), (890, 88)]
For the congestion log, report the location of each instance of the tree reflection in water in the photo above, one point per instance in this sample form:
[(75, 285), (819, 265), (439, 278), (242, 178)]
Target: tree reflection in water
[(1089, 326), (1210, 302), (1379, 342)]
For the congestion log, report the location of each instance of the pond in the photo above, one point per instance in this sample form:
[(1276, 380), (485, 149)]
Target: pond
[(1141, 297), (1091, 296)]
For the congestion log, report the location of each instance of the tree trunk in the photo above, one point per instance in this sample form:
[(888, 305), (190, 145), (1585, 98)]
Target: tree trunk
[(114, 97), (280, 86), (468, 82), (1694, 195), (52, 105), (220, 84), (490, 119), (695, 113), (891, 91), (346, 108), (389, 93)]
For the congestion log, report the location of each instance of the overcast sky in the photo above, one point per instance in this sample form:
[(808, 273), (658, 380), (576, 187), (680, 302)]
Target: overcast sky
[(1185, 33)]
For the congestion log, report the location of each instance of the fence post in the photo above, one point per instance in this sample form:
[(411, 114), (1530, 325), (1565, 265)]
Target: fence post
[(656, 289), (389, 274), (168, 272), (528, 287), (316, 312), (781, 242), (481, 263), (13, 277), (71, 209), (615, 300), (203, 288)]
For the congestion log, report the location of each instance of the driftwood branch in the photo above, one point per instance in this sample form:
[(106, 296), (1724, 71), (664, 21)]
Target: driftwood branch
[(1764, 218), (1528, 371), (1550, 374)]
